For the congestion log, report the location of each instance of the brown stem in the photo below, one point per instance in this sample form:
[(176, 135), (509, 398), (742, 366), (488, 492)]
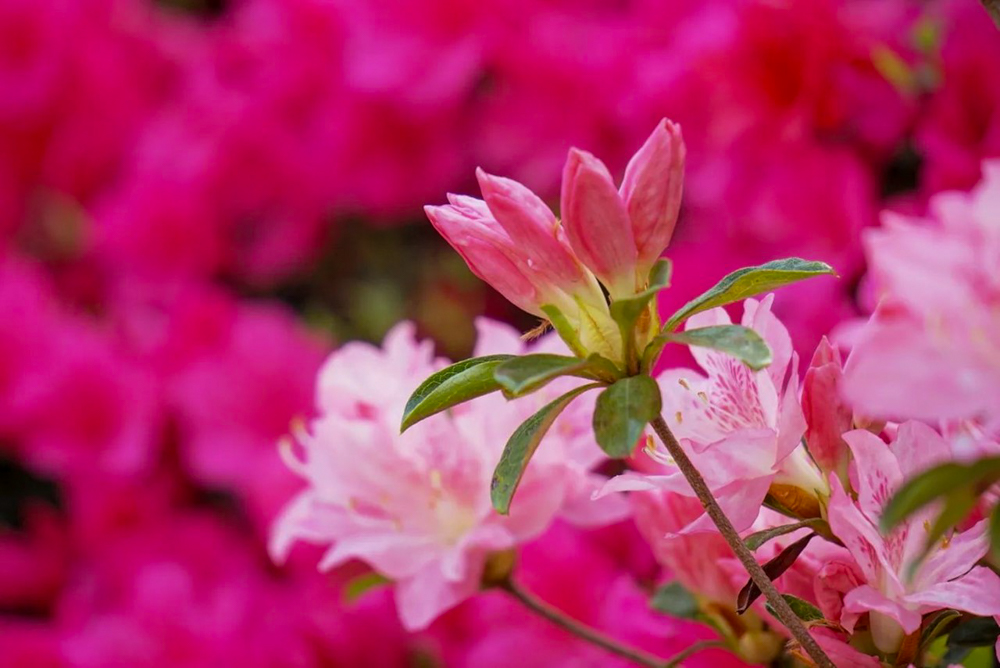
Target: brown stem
[(779, 605), (594, 637), (993, 9)]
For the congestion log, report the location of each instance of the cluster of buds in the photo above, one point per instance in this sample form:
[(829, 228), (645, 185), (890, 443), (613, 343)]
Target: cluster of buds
[(609, 236)]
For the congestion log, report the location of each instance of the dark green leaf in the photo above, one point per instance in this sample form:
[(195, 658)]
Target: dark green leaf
[(804, 610), (450, 386), (755, 540), (522, 445), (922, 490), (523, 375), (623, 411), (937, 625), (748, 282), (362, 584), (674, 600), (735, 340), (774, 568), (976, 632)]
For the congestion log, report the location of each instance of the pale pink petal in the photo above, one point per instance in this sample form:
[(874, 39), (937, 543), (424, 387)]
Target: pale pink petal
[(758, 317), (394, 555), (791, 419), (583, 510), (866, 599), (978, 592), (877, 471), (833, 581), (918, 447), (963, 551), (856, 531), (740, 501), (496, 338), (422, 598), (827, 416)]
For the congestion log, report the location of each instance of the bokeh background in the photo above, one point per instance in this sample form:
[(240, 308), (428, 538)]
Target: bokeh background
[(200, 198)]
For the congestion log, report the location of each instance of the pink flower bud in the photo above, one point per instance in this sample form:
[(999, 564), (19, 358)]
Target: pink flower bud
[(651, 189), (470, 229), (826, 413), (597, 223)]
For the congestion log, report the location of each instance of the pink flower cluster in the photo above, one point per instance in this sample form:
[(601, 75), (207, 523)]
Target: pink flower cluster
[(166, 168)]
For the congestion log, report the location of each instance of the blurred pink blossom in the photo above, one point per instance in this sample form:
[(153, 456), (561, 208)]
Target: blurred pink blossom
[(416, 506)]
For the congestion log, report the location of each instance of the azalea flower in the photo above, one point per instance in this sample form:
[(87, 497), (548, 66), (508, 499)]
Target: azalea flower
[(416, 507), (931, 351), (742, 429), (947, 578)]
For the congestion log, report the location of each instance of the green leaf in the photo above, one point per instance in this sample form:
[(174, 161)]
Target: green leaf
[(975, 632), (937, 482), (674, 600), (804, 610), (451, 386), (937, 625), (522, 445), (774, 568), (362, 584), (623, 411), (755, 540), (735, 340), (748, 282), (995, 532), (525, 374)]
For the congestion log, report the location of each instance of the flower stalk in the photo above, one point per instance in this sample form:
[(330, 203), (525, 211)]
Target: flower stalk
[(596, 638), (779, 605)]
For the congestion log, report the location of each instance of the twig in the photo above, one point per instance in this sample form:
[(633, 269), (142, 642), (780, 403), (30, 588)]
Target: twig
[(992, 8), (780, 606), (592, 636)]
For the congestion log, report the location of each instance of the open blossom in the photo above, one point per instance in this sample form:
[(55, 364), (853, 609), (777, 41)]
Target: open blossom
[(416, 506), (881, 585), (931, 351), (513, 241), (742, 429)]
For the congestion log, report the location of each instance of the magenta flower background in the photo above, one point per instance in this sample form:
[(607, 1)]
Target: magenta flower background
[(200, 200)]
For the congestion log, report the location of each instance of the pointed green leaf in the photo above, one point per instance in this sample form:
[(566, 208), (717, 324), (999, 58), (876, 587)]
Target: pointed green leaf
[(674, 600), (748, 282), (755, 540), (735, 340), (525, 374), (522, 445), (450, 386), (623, 411), (975, 632), (362, 584), (804, 610), (937, 482)]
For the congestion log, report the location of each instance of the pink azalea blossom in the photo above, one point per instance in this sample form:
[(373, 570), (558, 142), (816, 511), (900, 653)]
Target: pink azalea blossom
[(938, 279), (416, 506), (947, 578), (742, 429)]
